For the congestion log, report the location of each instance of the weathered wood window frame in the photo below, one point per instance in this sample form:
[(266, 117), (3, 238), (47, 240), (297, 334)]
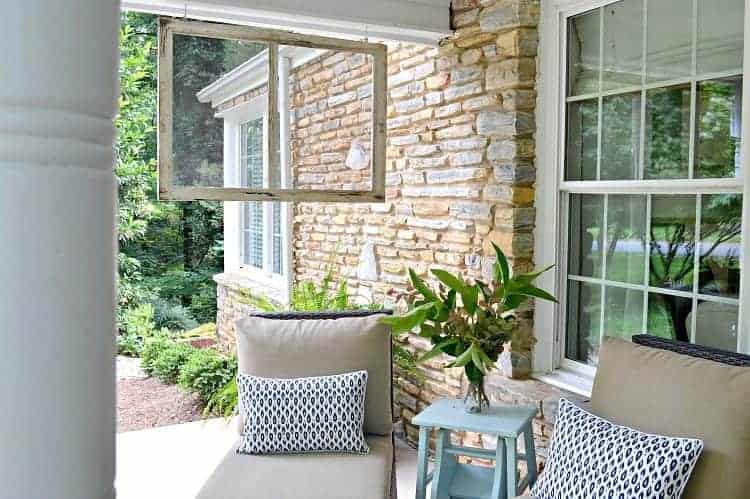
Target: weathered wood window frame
[(168, 27)]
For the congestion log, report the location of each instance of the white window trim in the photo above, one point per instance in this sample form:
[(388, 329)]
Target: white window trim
[(234, 118), (549, 360)]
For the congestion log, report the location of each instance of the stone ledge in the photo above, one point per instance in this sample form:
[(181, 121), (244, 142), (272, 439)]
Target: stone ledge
[(532, 392), (245, 284)]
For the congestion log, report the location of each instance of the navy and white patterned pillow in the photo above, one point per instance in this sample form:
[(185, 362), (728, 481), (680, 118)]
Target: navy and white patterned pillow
[(298, 415), (589, 457)]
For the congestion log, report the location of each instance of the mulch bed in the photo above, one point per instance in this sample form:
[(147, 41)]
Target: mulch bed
[(148, 403)]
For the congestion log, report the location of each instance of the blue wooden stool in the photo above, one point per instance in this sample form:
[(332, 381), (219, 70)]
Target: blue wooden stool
[(451, 479)]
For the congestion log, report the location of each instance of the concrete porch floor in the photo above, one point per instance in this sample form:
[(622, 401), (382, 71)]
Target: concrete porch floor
[(173, 462)]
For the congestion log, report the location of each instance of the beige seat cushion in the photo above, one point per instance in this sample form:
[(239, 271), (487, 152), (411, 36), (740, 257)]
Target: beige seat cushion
[(304, 476), (296, 348), (670, 394)]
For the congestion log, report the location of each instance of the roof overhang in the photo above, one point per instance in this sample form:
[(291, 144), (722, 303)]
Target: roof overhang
[(252, 74), (415, 21)]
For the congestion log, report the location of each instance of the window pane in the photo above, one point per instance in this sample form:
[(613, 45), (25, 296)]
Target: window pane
[(716, 325), (667, 145), (668, 316), (621, 136), (623, 42), (583, 53), (251, 135), (583, 118), (252, 153), (720, 26), (198, 133), (623, 312), (719, 125), (253, 244), (626, 238), (672, 242), (585, 245), (720, 245), (584, 317), (670, 39), (330, 117), (277, 238)]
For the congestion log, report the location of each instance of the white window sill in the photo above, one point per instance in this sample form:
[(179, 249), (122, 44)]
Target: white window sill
[(566, 379)]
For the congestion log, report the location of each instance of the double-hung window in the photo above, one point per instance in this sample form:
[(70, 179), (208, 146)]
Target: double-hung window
[(645, 182), (256, 233)]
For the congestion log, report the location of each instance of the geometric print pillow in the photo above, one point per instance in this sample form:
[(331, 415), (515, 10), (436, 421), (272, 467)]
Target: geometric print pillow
[(589, 457), (300, 415)]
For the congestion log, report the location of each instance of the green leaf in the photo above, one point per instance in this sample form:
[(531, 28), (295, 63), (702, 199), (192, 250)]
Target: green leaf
[(410, 320), (469, 295), (453, 282), (464, 358), (477, 360), (502, 268), (437, 349), (420, 286), (534, 292), (428, 331), (529, 277)]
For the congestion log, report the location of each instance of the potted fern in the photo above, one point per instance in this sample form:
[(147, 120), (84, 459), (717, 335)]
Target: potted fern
[(468, 321)]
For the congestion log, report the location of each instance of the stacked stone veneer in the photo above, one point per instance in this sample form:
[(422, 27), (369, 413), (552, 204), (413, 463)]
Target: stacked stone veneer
[(460, 175)]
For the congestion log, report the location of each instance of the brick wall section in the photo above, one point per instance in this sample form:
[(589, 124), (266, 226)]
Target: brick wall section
[(460, 175), (331, 100)]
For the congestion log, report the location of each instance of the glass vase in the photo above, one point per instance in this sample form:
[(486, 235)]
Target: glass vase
[(475, 399)]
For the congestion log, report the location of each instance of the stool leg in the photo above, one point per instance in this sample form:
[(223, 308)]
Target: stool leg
[(498, 485), (424, 441), (445, 466), (528, 441), (511, 467)]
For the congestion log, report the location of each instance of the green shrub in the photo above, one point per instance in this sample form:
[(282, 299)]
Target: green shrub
[(129, 344), (163, 357), (206, 371), (224, 401), (172, 316), (167, 365), (153, 348)]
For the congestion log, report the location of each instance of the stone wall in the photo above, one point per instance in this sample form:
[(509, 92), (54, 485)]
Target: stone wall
[(460, 175)]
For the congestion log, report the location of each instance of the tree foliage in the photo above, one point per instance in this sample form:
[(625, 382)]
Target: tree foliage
[(168, 252)]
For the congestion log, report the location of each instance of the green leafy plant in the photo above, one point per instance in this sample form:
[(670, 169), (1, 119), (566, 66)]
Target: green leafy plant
[(172, 316), (468, 321), (136, 324), (206, 371), (309, 297), (129, 344), (224, 401), (163, 357)]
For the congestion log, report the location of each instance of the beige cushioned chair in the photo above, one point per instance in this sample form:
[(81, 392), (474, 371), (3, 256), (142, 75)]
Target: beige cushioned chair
[(297, 345), (678, 394)]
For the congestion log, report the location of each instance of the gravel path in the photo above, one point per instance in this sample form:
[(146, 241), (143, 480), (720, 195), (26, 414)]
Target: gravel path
[(129, 367), (147, 403)]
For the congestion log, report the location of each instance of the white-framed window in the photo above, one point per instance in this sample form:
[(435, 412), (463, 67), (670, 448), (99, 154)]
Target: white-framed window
[(641, 184), (256, 234)]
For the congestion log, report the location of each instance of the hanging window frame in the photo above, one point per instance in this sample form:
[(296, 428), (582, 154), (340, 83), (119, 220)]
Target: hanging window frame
[(169, 27), (553, 192)]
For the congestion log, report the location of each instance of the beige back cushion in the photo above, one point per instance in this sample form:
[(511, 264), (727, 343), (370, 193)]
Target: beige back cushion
[(275, 348), (671, 394)]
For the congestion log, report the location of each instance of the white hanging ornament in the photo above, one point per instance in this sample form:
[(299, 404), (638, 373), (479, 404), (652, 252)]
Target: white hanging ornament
[(357, 158)]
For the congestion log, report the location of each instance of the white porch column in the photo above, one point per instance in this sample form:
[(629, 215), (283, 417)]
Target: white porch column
[(58, 82)]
